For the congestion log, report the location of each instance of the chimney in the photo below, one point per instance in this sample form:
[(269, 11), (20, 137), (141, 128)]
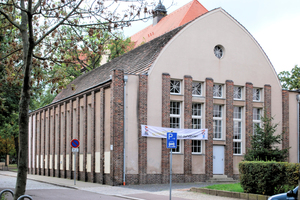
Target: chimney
[(159, 12)]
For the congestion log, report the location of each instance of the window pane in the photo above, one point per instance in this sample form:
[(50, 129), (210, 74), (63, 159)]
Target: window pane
[(196, 109), (217, 129), (217, 90), (196, 123), (196, 146), (256, 114), (177, 150), (237, 92), (237, 130), (237, 148), (174, 108), (175, 87), (197, 89), (174, 122), (256, 94), (217, 111), (237, 112)]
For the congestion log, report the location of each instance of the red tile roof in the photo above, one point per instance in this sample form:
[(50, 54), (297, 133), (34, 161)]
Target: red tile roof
[(177, 18)]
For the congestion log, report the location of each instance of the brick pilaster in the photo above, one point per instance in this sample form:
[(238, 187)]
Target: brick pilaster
[(209, 82), (69, 173), (267, 100), (77, 135), (31, 147), (188, 81), (142, 115), (43, 142), (38, 143), (52, 146), (249, 114), (93, 137), (48, 143), (229, 129), (117, 126), (64, 142), (285, 120), (35, 143), (83, 140), (102, 106), (57, 140), (165, 161)]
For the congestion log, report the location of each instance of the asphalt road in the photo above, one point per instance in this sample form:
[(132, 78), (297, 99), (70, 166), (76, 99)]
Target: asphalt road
[(44, 191)]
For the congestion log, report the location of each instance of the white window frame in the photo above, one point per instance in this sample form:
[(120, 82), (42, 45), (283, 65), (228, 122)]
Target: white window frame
[(195, 90), (218, 119), (237, 119), (196, 115), (195, 145), (176, 83), (257, 94), (255, 120), (218, 88), (235, 92), (177, 116)]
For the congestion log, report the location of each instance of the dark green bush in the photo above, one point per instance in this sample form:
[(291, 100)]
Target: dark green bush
[(269, 177)]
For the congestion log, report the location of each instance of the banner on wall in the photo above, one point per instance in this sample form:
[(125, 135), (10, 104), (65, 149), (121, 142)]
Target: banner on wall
[(182, 134)]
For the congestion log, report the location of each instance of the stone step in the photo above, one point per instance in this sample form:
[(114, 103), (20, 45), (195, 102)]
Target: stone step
[(221, 179)]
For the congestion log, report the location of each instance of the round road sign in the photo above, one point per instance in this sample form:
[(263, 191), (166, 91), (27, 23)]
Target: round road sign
[(75, 143)]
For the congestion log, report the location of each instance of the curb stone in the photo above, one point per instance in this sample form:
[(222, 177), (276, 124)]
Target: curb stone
[(237, 195)]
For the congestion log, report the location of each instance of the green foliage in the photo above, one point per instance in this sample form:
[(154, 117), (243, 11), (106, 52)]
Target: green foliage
[(268, 177), (233, 187), (119, 46), (290, 80), (263, 143)]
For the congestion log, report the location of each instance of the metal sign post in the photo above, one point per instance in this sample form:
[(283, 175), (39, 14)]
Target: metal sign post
[(75, 144), (171, 144)]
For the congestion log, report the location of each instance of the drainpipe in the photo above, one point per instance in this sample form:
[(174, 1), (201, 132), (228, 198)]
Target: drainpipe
[(298, 101), (124, 125)]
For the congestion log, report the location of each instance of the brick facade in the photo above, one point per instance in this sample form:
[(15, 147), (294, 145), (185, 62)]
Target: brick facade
[(117, 127), (188, 125), (229, 129), (268, 100), (209, 125), (249, 114), (285, 120), (142, 115), (165, 160)]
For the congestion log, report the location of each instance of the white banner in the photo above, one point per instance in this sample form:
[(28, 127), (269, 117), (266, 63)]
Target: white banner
[(182, 134)]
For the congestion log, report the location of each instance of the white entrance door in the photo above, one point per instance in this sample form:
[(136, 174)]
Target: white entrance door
[(218, 160)]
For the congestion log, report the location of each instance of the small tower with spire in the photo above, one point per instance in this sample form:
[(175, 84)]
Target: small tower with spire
[(159, 12)]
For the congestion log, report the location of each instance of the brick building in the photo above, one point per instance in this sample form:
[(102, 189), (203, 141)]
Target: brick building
[(208, 73)]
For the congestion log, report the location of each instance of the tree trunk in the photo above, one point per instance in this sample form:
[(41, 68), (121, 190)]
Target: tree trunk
[(16, 140), (28, 46)]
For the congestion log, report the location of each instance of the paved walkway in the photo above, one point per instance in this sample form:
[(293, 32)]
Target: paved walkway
[(134, 192)]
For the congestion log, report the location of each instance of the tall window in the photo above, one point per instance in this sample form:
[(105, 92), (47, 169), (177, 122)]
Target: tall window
[(237, 130), (256, 94), (217, 91), (256, 119), (175, 121), (217, 117), (237, 92), (196, 122), (175, 87), (197, 89)]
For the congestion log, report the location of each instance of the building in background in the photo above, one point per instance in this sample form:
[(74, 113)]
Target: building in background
[(208, 73)]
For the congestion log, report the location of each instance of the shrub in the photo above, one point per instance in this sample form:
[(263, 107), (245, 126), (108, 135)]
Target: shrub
[(268, 177)]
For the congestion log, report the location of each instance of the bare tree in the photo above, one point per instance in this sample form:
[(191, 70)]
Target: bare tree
[(39, 29)]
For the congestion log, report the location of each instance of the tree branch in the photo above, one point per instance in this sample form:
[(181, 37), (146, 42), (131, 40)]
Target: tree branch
[(58, 24), (11, 54), (9, 19)]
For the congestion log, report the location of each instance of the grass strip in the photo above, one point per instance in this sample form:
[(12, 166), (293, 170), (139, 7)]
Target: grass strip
[(231, 187)]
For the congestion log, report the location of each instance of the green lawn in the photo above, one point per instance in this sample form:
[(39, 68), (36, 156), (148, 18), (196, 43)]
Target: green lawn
[(232, 187)]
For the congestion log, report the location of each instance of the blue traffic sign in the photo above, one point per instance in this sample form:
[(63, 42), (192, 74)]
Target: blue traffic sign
[(75, 143), (171, 140)]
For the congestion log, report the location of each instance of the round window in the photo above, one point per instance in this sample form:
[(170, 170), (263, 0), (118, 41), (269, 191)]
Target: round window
[(219, 51)]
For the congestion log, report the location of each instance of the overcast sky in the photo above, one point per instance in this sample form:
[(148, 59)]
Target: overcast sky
[(275, 24)]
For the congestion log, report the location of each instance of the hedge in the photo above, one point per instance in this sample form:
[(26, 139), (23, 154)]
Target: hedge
[(268, 178)]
